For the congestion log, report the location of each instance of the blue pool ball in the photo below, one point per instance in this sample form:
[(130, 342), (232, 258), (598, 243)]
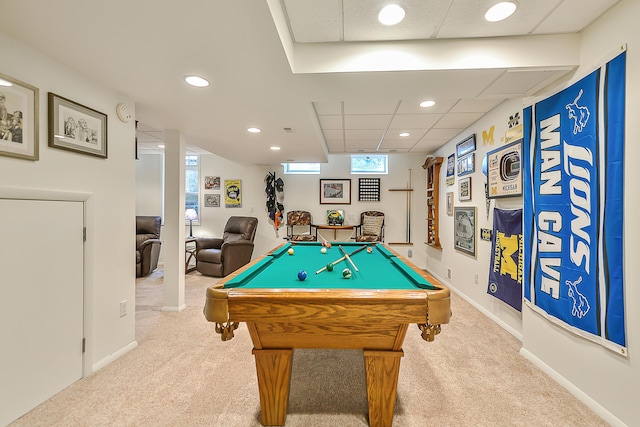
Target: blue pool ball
[(302, 274)]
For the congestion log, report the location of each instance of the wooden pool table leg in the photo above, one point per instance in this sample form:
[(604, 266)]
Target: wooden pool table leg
[(274, 379), (382, 368)]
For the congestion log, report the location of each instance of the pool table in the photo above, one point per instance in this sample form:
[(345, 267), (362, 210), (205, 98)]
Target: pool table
[(371, 311)]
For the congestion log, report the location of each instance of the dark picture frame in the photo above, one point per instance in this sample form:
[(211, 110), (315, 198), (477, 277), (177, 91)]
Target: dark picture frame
[(335, 191), (76, 127), (19, 124), (504, 171), (464, 189), (467, 164), (464, 230), (467, 145)]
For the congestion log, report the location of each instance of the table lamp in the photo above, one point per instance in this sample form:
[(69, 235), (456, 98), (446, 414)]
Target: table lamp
[(190, 214)]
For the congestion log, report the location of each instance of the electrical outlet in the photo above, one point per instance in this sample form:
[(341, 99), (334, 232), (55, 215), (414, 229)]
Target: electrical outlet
[(475, 278), (409, 253), (449, 273), (123, 308)]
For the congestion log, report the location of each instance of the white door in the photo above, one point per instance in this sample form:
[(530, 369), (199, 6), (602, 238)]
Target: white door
[(41, 297)]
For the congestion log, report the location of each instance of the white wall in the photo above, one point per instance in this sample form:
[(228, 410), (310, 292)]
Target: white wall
[(302, 192), (109, 268), (606, 381)]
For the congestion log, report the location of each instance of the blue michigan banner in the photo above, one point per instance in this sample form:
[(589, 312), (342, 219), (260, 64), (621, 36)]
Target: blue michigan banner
[(507, 257), (573, 206)]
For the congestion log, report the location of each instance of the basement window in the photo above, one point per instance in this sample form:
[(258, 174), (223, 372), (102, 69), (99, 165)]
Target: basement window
[(369, 163), (301, 168)]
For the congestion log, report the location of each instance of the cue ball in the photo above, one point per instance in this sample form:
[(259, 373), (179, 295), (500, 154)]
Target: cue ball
[(290, 251), (330, 267), (302, 274), (323, 250), (369, 250), (346, 273)]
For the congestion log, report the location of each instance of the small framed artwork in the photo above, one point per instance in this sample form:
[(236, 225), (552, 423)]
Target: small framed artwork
[(18, 119), (466, 146), (232, 193), (74, 127), (335, 191), (212, 200), (211, 182), (504, 176), (335, 217), (464, 189), (464, 230), (450, 203), (369, 190), (466, 164)]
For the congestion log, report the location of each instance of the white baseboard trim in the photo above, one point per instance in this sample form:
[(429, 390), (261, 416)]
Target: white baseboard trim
[(113, 356), (571, 388), (490, 315), (174, 309)]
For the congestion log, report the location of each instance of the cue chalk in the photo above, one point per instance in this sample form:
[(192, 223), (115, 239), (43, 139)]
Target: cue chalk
[(348, 258)]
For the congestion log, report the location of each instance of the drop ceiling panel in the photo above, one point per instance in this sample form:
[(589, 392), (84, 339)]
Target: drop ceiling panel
[(367, 121), (413, 106), (573, 16), (335, 146), (370, 105), (327, 108), (457, 120), (521, 82), (362, 145), (441, 134), (466, 19), (421, 20), (364, 134), (415, 120), (475, 105), (330, 122), (313, 21), (428, 146), (333, 134)]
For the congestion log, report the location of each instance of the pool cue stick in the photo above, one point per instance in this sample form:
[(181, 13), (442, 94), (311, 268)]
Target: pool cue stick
[(348, 258), (343, 258), (409, 210)]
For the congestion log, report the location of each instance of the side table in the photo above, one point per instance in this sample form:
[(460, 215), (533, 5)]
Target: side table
[(189, 254)]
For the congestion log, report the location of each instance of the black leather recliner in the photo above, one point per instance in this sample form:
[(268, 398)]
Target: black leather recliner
[(219, 257), (147, 244)]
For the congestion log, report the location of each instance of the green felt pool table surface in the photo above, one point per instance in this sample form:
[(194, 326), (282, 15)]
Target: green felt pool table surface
[(380, 269)]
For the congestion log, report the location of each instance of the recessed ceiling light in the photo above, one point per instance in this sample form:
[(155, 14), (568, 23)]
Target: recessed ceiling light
[(391, 14), (426, 104), (275, 148), (254, 130), (500, 11), (160, 146), (404, 134), (5, 83), (196, 81)]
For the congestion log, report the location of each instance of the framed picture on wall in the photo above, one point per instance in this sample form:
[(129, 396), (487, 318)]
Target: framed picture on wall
[(466, 146), (19, 124), (504, 176), (335, 191), (464, 189), (212, 200), (450, 203), (464, 230), (74, 127)]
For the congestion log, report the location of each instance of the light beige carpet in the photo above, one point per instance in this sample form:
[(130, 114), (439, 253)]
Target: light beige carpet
[(182, 374)]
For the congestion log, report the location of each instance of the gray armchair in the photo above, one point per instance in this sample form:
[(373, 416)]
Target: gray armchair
[(147, 244), (219, 257)]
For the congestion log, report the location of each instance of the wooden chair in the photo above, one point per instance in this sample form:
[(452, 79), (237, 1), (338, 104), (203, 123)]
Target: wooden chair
[(299, 227), (371, 227)]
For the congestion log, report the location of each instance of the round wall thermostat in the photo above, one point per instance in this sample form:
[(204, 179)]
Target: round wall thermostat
[(123, 113)]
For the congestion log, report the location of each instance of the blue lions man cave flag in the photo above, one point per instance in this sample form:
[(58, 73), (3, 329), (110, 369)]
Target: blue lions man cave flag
[(573, 206), (507, 257)]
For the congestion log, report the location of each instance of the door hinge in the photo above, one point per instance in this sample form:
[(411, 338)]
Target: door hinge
[(84, 234), (84, 344)]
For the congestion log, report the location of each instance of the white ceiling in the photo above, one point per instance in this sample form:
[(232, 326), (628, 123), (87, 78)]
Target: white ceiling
[(325, 69)]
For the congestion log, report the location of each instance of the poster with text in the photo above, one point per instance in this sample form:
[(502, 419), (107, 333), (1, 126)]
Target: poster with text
[(573, 168)]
